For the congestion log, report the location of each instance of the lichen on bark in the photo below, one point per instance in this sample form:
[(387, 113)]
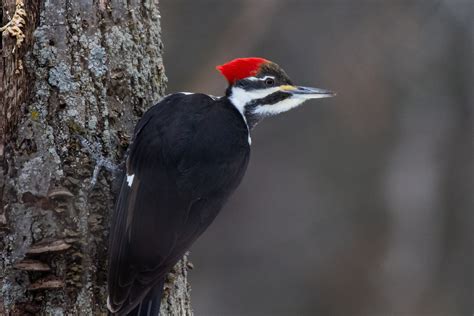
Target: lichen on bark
[(94, 68)]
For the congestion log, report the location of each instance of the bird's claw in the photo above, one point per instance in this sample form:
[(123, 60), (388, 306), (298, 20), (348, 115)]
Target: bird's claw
[(95, 152)]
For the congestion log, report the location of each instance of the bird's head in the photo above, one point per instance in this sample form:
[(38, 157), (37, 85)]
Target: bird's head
[(259, 88)]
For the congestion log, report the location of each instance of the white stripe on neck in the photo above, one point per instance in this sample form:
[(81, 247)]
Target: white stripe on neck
[(240, 98)]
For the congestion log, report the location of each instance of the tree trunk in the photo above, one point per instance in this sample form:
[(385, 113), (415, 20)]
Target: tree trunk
[(70, 68)]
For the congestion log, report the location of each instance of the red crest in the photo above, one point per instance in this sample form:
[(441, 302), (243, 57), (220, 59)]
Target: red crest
[(241, 68)]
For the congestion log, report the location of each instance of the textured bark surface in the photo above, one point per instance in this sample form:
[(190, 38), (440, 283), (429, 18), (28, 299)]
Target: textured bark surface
[(87, 68)]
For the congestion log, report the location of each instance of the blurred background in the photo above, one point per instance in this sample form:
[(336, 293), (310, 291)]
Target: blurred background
[(361, 204)]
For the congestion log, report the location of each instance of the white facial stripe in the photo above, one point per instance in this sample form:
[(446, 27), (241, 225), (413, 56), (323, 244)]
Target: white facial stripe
[(282, 106), (287, 104), (241, 97), (261, 79)]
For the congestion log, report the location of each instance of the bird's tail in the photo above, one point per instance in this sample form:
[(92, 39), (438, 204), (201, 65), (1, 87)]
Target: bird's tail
[(150, 305)]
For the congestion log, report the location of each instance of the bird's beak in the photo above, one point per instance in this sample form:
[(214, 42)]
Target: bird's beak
[(307, 92)]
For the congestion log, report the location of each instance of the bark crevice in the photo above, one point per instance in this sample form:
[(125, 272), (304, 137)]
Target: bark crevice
[(89, 69)]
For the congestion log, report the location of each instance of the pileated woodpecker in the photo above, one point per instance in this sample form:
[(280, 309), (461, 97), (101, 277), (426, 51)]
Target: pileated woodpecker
[(189, 153)]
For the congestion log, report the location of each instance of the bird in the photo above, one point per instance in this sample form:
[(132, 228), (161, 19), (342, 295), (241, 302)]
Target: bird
[(188, 154)]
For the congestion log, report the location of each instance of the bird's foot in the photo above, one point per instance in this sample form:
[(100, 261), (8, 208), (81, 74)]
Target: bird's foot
[(95, 152)]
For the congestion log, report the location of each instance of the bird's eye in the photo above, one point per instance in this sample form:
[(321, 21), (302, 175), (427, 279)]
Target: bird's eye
[(269, 82)]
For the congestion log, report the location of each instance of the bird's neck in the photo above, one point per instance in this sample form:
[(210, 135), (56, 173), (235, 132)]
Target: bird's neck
[(241, 101)]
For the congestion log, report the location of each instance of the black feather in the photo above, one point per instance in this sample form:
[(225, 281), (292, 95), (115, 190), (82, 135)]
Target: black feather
[(150, 305), (188, 155)]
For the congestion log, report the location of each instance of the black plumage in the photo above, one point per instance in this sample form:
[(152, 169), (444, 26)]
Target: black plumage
[(188, 154)]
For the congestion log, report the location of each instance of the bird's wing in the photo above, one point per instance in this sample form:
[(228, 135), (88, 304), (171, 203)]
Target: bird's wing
[(158, 215), (148, 214)]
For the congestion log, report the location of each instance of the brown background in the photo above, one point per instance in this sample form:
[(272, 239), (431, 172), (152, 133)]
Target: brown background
[(357, 205)]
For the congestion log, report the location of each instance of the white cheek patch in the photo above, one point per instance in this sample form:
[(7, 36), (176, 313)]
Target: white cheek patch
[(241, 97), (280, 107), (130, 179)]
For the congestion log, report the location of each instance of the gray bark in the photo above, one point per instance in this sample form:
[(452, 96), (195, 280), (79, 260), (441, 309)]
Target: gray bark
[(87, 68)]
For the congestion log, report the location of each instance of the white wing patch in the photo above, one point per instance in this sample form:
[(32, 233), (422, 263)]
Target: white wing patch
[(213, 97), (109, 306), (130, 179)]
